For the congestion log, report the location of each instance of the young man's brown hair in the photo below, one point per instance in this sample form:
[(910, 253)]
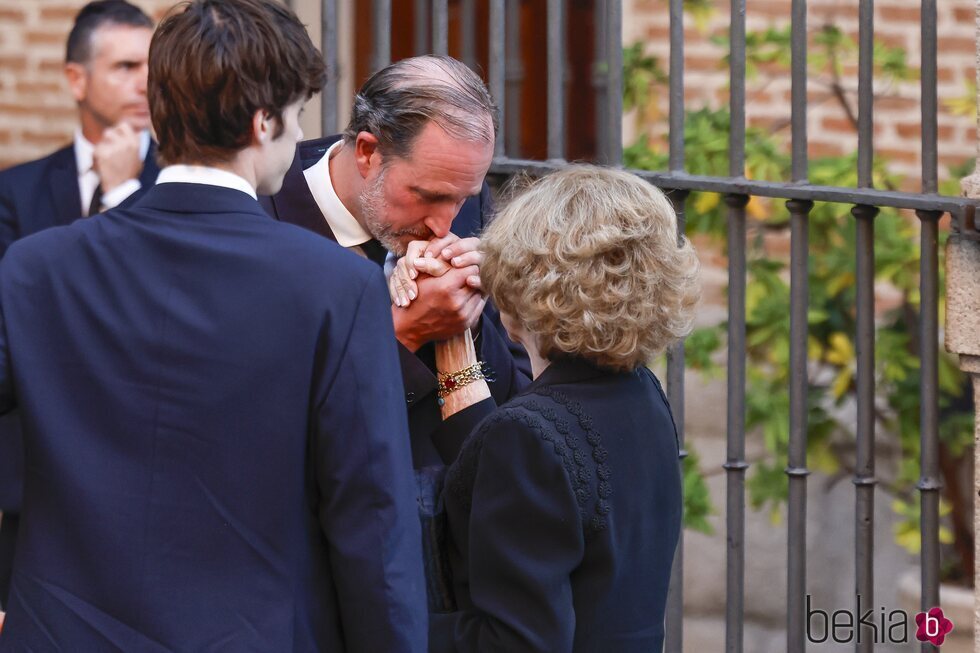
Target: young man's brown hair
[(213, 65)]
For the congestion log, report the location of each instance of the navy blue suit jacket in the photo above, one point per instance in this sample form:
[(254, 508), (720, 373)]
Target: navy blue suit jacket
[(216, 444), (564, 512), (44, 193), (33, 196), (508, 361)]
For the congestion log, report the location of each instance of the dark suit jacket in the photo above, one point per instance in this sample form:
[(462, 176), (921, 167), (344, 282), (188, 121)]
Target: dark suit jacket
[(215, 437), (294, 203), (33, 196), (564, 512), (44, 193)]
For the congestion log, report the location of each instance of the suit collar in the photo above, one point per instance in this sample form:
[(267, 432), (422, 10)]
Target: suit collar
[(63, 185), (567, 370), (295, 203), (199, 199)]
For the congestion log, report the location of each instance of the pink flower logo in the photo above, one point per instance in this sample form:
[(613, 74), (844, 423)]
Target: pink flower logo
[(933, 626)]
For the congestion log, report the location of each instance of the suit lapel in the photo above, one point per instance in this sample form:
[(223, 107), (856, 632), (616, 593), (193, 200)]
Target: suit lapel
[(63, 186), (295, 203)]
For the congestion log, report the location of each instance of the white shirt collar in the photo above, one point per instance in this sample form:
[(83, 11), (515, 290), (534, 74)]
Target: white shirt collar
[(188, 174), (345, 227), (84, 150)]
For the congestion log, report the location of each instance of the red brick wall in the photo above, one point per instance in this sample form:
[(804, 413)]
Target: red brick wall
[(897, 110), (37, 114)]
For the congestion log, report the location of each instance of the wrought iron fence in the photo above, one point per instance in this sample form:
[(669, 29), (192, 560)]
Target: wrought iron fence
[(736, 189)]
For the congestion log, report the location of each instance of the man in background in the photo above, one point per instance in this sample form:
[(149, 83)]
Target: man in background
[(109, 163), (216, 443), (111, 159)]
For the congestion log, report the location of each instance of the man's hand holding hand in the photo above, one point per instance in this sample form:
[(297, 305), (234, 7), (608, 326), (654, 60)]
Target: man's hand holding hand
[(117, 156), (446, 306)]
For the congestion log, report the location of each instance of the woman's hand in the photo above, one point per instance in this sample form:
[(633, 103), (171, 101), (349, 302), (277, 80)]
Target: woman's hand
[(434, 258)]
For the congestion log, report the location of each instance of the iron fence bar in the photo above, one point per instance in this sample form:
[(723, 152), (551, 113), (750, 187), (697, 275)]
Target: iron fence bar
[(798, 92), (796, 461), (930, 126), (676, 129), (556, 79), (957, 206), (864, 473), (440, 26), (600, 82), (674, 639), (382, 33), (467, 28), (930, 482), (496, 68), (736, 103), (865, 93), (421, 27), (329, 121), (735, 463), (614, 93), (514, 76)]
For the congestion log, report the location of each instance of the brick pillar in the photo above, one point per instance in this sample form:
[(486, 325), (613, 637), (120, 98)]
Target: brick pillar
[(963, 330)]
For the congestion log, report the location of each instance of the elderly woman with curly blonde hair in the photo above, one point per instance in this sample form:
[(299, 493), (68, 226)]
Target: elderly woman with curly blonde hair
[(564, 504)]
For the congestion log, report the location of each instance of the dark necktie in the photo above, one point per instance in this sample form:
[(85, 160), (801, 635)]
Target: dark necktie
[(96, 204), (375, 251)]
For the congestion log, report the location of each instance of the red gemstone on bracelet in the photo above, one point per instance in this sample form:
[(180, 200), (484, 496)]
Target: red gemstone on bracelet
[(450, 383)]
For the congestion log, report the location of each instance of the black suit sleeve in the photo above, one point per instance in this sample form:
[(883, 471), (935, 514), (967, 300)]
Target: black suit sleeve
[(524, 539), (363, 469)]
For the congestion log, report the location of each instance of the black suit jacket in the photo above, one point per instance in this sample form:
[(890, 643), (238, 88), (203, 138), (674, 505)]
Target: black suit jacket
[(217, 450), (508, 361), (564, 512)]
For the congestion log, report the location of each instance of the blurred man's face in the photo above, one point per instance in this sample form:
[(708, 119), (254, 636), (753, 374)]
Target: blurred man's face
[(417, 197), (111, 86)]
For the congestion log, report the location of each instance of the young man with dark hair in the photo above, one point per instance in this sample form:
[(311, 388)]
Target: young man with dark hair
[(216, 439)]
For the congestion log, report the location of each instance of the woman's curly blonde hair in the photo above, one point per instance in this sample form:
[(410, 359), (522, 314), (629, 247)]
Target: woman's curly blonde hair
[(587, 261)]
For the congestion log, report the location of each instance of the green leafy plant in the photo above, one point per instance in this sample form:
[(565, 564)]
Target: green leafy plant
[(831, 372)]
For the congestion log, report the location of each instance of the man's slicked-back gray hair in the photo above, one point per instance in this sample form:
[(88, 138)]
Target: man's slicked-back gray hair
[(398, 101)]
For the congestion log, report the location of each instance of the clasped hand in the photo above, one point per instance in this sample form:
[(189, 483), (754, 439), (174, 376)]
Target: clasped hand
[(435, 290)]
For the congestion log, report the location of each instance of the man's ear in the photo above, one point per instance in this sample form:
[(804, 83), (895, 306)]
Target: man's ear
[(366, 153), (263, 127), (77, 76)]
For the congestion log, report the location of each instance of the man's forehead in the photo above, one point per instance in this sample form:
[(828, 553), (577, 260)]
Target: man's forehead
[(121, 41)]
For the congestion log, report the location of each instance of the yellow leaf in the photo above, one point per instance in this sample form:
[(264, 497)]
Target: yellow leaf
[(757, 208), (823, 460), (814, 348), (842, 383), (945, 535), (908, 539), (841, 350), (839, 283), (706, 202)]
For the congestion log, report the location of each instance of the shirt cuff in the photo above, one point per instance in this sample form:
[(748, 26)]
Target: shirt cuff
[(118, 195)]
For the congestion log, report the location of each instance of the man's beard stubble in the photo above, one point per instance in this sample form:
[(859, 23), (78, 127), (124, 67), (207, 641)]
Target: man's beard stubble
[(374, 209)]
